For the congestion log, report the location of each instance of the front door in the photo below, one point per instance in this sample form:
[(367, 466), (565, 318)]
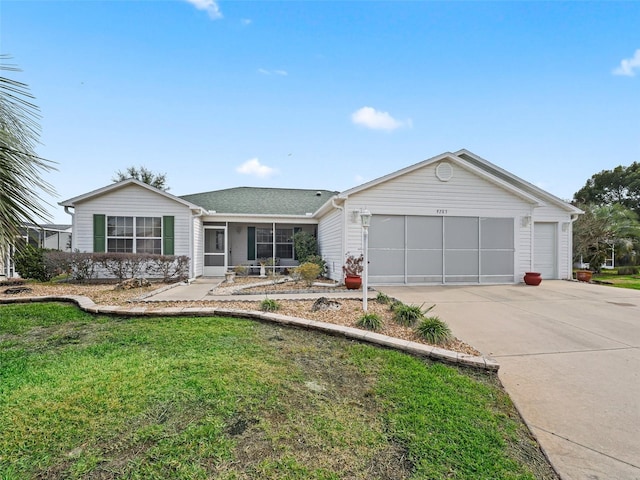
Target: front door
[(215, 247)]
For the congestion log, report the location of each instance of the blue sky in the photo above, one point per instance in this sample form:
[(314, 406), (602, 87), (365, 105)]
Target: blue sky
[(326, 94)]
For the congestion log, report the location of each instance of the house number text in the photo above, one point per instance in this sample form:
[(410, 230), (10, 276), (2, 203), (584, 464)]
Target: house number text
[(441, 212)]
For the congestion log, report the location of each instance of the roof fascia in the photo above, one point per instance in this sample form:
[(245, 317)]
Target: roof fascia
[(124, 183), (249, 217), (543, 193)]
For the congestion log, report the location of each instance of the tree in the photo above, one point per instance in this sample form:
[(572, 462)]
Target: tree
[(157, 180), (620, 185), (21, 184), (602, 227)]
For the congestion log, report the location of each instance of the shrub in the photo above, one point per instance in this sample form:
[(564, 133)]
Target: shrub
[(383, 298), (627, 270), (318, 260), (305, 245), (308, 272), (241, 270), (407, 315), (30, 263), (269, 305), (434, 331), (82, 266), (370, 321)]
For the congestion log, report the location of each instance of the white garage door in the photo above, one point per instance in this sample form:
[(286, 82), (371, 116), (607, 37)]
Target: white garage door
[(422, 249), (544, 250)]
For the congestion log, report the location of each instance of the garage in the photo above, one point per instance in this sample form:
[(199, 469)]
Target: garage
[(410, 249)]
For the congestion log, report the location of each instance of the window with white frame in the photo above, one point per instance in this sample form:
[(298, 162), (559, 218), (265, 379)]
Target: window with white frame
[(284, 242), (134, 235)]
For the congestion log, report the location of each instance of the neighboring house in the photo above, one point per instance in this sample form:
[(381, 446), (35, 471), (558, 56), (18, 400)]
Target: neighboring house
[(50, 236), (454, 218)]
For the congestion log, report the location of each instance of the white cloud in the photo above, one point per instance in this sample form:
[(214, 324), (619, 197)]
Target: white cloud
[(629, 65), (359, 179), (371, 118), (246, 21), (264, 71), (209, 6), (254, 167)]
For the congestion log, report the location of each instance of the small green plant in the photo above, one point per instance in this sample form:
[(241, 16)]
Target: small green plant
[(269, 305), (383, 298), (434, 331), (370, 321), (394, 303), (308, 272), (241, 270), (407, 315)]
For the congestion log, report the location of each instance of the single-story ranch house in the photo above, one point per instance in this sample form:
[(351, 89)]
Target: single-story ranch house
[(452, 219)]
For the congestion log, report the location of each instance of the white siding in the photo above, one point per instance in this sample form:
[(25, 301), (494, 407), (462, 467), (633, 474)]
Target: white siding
[(198, 247), (465, 194), (330, 243), (562, 219), (131, 200)]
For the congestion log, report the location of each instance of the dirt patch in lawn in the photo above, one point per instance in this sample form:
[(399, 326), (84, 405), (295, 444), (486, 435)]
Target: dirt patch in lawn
[(348, 314)]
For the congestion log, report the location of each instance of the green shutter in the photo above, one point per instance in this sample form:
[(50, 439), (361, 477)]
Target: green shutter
[(99, 237), (168, 236), (251, 243)]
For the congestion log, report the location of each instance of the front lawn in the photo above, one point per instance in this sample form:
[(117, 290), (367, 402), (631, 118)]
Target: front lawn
[(86, 396), (622, 281)]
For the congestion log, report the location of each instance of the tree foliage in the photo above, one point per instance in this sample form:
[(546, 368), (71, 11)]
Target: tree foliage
[(618, 186), (602, 227), (21, 183), (143, 174)]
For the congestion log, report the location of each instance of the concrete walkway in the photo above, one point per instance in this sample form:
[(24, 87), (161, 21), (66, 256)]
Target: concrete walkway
[(570, 360), (199, 289)]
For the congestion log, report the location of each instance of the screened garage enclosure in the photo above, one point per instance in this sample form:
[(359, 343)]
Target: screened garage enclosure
[(430, 249)]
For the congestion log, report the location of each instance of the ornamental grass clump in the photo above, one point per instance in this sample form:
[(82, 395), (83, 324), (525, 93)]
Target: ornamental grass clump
[(370, 321), (269, 305), (409, 315), (434, 331), (383, 298)]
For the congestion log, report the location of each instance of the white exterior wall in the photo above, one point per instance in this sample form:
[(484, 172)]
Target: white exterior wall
[(198, 247), (465, 194), (330, 242), (552, 214), (131, 200)]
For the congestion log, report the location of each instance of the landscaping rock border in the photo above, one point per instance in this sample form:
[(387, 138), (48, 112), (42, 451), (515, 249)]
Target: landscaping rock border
[(414, 348)]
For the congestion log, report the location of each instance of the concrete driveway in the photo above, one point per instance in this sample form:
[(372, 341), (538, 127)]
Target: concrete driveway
[(570, 360)]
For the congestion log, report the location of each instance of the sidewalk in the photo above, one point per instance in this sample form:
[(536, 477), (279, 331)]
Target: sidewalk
[(199, 289)]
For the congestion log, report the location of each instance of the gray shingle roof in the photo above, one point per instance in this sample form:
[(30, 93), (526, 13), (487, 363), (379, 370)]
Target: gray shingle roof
[(261, 201)]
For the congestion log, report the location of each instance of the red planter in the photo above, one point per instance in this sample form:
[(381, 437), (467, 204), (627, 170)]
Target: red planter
[(352, 282), (532, 278), (584, 275)]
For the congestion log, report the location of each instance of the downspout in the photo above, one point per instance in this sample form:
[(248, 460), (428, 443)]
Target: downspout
[(344, 228), (73, 226)]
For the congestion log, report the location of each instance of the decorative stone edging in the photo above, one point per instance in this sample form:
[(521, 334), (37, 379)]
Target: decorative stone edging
[(415, 348)]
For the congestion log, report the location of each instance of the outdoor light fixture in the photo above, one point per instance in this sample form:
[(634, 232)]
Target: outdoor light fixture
[(365, 219)]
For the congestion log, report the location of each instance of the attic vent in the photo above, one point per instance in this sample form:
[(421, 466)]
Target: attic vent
[(318, 193), (444, 171)]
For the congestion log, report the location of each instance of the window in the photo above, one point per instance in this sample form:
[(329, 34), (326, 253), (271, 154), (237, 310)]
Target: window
[(284, 242), (146, 237)]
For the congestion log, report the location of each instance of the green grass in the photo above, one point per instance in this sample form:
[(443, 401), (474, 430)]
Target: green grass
[(197, 398), (622, 281)]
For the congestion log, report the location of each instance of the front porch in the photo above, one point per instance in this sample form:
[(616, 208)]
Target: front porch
[(250, 248)]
